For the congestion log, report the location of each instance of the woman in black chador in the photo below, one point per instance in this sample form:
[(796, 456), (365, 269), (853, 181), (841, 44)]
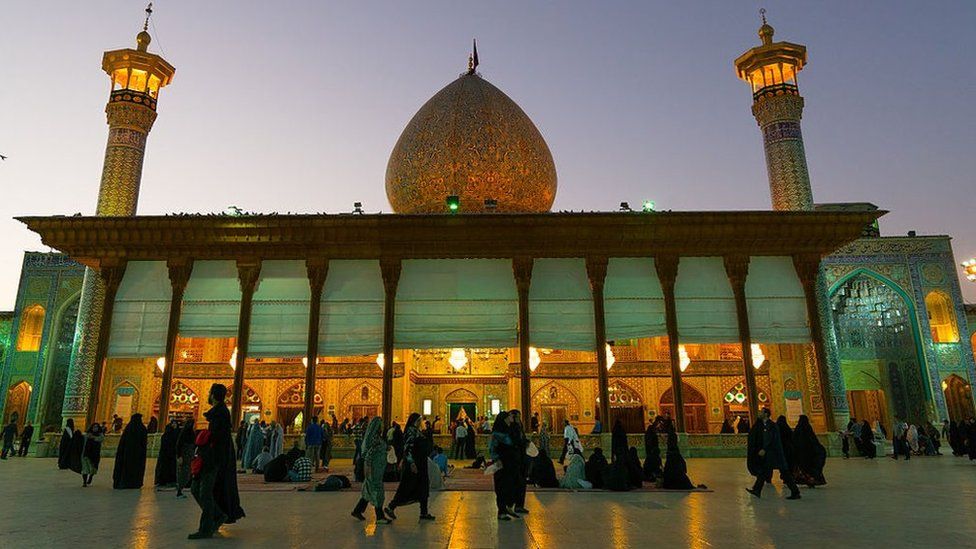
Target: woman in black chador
[(618, 442), (166, 462), (64, 450), (130, 458), (675, 469), (809, 455), (414, 478), (652, 455)]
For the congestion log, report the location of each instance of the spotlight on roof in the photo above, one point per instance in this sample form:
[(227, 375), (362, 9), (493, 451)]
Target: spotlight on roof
[(453, 203), (357, 207), (491, 204), (647, 206), (625, 207)]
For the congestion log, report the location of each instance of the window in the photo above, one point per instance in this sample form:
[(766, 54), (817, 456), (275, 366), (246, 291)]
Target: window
[(31, 328), (428, 407), (942, 320), (496, 406)]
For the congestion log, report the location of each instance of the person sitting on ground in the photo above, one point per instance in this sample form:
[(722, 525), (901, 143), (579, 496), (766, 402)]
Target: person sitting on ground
[(675, 468), (301, 470), (596, 468), (652, 455), (634, 473), (261, 461), (440, 459), (543, 473), (575, 477), (479, 462)]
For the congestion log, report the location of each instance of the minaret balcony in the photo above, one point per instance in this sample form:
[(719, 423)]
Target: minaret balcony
[(130, 96), (774, 90)]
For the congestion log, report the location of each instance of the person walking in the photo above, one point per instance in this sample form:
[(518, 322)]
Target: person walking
[(503, 453), (9, 433), (130, 457), (64, 448), (91, 453), (765, 453), (185, 446), (517, 431), (25, 439), (327, 433), (214, 485), (313, 442), (415, 476), (374, 465)]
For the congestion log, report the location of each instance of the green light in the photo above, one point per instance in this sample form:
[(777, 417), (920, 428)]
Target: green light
[(453, 203), (648, 206)]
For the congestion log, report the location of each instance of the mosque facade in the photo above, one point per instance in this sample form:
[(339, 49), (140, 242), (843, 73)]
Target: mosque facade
[(474, 298)]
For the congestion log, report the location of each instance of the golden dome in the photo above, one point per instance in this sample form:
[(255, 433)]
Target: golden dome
[(470, 140)]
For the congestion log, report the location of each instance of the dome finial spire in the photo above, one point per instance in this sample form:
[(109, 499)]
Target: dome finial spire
[(473, 58), (765, 31), (143, 39)]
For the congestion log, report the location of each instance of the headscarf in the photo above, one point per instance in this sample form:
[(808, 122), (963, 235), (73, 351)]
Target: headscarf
[(412, 421), (373, 436), (499, 426)]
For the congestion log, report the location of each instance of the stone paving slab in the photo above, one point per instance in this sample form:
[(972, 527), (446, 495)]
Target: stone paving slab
[(926, 502)]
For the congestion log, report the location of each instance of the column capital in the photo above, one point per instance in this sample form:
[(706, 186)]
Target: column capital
[(318, 269), (667, 269), (596, 271), (390, 267), (522, 269), (180, 270), (737, 269), (111, 273), (807, 268), (248, 272)]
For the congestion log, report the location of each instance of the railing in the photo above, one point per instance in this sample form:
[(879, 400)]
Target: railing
[(130, 96), (776, 89)]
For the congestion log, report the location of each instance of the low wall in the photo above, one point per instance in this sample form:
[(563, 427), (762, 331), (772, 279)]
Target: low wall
[(710, 445)]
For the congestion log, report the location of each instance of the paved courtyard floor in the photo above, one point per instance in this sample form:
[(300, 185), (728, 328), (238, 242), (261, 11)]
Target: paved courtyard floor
[(927, 502)]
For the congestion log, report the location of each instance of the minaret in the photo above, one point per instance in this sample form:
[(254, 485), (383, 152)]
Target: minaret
[(771, 70), (136, 77)]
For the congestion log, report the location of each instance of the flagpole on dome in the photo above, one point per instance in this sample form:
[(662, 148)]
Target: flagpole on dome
[(473, 58)]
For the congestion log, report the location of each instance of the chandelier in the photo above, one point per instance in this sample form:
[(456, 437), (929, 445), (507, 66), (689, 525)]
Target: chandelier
[(233, 360), (161, 364), (458, 359), (757, 356), (610, 358), (380, 360), (683, 359)]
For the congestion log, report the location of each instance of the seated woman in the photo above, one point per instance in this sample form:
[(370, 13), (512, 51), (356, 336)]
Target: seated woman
[(575, 477), (675, 468), (596, 468), (635, 474), (543, 472), (652, 455)]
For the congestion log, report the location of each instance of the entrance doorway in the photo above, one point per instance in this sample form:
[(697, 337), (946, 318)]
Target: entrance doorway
[(18, 397), (462, 410), (363, 410), (868, 404), (696, 416), (555, 416), (959, 398)]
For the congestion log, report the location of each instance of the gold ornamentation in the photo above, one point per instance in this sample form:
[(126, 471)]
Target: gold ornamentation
[(471, 140)]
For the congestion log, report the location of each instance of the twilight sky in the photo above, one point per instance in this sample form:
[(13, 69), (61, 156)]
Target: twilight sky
[(296, 105)]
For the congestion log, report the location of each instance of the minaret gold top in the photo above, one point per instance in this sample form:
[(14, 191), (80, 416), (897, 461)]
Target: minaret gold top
[(771, 67), (136, 74)]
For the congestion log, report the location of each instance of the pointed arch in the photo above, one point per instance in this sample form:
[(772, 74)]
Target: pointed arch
[(942, 317), (959, 397), (54, 375), (623, 395), (31, 328), (912, 313), (461, 395), (17, 401)]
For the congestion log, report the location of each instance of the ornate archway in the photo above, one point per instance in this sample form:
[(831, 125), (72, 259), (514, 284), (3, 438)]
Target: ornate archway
[(184, 403), (291, 404), (18, 398), (736, 400), (959, 398), (250, 404), (361, 401), (556, 403), (626, 405), (696, 419), (875, 322)]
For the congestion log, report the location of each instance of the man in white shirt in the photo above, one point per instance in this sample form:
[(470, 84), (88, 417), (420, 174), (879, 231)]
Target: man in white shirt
[(569, 433), (460, 435)]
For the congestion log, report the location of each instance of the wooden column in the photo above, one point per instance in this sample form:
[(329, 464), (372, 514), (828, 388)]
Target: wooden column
[(807, 269), (667, 274), (179, 276), (317, 269), (596, 270), (391, 277), (737, 269), (248, 272), (522, 268), (111, 275)]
